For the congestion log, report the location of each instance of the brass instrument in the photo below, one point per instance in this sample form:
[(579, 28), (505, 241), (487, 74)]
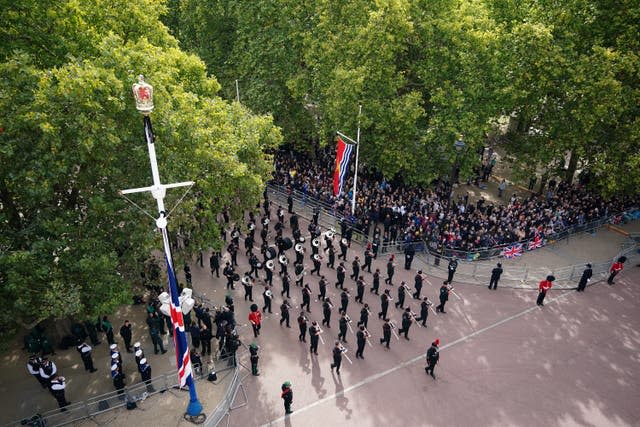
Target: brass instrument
[(283, 260), (270, 265)]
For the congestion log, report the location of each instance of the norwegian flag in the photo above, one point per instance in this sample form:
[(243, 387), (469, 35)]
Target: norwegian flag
[(535, 243), (512, 251), (183, 358)]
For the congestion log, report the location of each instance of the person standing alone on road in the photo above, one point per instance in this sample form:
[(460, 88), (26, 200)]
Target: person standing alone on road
[(287, 397), (616, 268), (495, 276), (433, 355), (543, 288), (586, 277)]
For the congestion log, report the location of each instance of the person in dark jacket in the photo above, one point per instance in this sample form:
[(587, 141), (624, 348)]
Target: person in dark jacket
[(495, 276), (287, 397), (433, 355), (451, 269), (586, 277)]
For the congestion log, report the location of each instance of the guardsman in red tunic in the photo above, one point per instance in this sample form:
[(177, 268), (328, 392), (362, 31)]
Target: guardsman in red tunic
[(544, 286), (615, 269)]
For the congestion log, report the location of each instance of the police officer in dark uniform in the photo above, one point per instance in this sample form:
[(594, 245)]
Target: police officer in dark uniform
[(451, 269), (495, 276), (57, 388)]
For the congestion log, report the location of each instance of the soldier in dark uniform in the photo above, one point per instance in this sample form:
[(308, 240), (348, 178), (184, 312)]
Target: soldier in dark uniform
[(586, 277), (340, 274), (495, 276), (364, 316), (332, 257), (390, 270), (343, 249), (267, 295), (376, 282), (306, 298), (85, 353), (361, 341), (344, 301), (253, 262), (444, 297), (284, 313), (355, 265), (386, 333), (384, 304), (418, 284), (57, 387), (424, 311), (360, 285), (401, 295), (326, 312), (451, 269), (433, 355), (314, 335), (407, 320), (368, 258), (253, 352), (323, 288), (286, 285), (302, 325), (342, 326), (337, 357)]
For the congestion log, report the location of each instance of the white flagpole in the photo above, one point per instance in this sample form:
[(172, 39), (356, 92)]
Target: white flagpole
[(355, 176), (237, 91)]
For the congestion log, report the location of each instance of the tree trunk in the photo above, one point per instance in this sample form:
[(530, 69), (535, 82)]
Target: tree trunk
[(573, 165)]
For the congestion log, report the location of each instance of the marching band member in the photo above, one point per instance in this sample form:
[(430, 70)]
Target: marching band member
[(302, 324), (368, 258), (284, 313), (376, 282), (306, 298), (418, 280), (361, 336), (360, 285), (355, 265), (323, 288), (402, 290), (386, 333), (337, 357), (286, 285), (343, 324), (343, 249), (407, 320), (364, 315), (344, 300), (433, 355), (332, 257), (314, 335), (384, 304), (317, 262), (267, 295), (340, 274), (424, 311), (444, 296), (391, 268), (326, 312), (247, 283)]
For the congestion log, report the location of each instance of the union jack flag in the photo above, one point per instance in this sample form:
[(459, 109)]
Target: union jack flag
[(535, 243), (512, 251), (183, 358)]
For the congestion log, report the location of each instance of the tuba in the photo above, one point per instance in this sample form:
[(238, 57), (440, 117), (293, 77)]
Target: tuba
[(299, 248), (344, 241), (251, 226), (283, 260), (315, 243), (235, 234), (270, 265)]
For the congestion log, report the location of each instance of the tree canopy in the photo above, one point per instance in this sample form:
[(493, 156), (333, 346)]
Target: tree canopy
[(71, 139), (430, 72)]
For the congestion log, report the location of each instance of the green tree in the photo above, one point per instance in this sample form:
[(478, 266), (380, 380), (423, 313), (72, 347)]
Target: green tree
[(71, 139)]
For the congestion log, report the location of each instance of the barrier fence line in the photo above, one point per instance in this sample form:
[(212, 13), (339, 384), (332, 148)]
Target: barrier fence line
[(479, 272)]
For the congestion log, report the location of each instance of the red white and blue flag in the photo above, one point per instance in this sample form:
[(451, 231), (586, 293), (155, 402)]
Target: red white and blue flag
[(183, 358), (512, 251), (535, 243), (342, 166)]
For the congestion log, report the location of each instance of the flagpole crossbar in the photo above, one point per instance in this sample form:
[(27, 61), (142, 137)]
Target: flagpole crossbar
[(351, 140)]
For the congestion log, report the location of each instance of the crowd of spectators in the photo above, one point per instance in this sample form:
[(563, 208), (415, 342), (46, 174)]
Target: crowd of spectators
[(432, 215)]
